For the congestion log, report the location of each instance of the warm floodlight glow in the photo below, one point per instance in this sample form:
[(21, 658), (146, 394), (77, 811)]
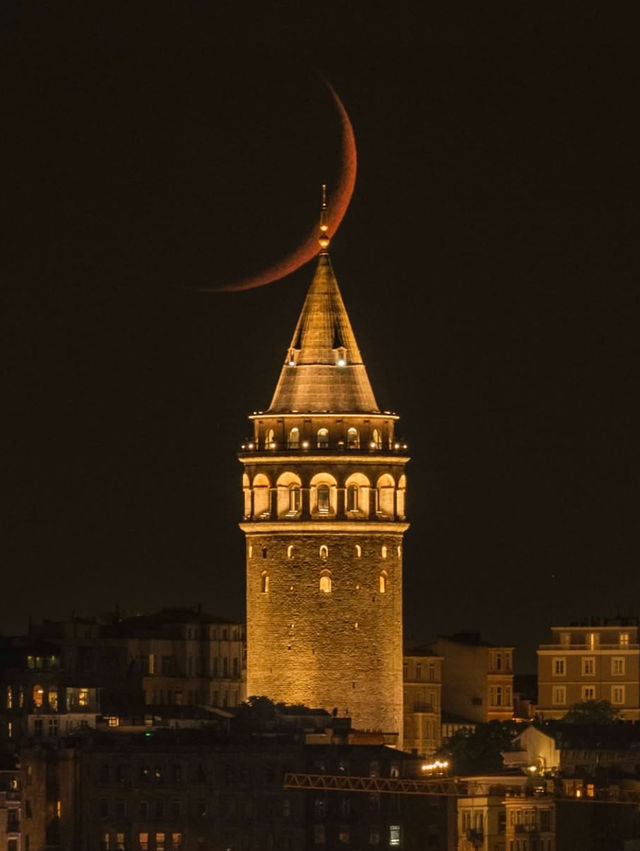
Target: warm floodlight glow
[(341, 362)]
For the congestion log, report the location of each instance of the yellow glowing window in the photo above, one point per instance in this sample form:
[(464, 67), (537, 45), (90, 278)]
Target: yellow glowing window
[(176, 841), (38, 696), (323, 499), (53, 699), (264, 582), (323, 438), (325, 583), (377, 438), (294, 438), (358, 551), (383, 582), (353, 439), (160, 841), (83, 697), (9, 697), (143, 841)]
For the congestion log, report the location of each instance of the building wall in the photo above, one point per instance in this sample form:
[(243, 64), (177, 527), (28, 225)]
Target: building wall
[(477, 680), (422, 675), (340, 649)]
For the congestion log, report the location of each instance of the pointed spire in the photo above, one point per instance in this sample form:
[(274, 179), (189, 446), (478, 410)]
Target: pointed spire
[(323, 370)]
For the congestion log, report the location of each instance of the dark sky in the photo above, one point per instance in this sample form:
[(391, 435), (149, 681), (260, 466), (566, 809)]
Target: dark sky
[(485, 261)]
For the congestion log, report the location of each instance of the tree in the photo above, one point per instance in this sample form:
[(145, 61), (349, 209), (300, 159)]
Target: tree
[(591, 712), (479, 751)]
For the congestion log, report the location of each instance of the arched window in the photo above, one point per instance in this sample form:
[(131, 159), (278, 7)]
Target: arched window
[(385, 496), (353, 439), (294, 438), (290, 551), (352, 498), (295, 498), (324, 499), (264, 552), (270, 439), (399, 551), (384, 579), (377, 438), (323, 438), (325, 582), (383, 551), (400, 497), (38, 696), (264, 582), (261, 496), (324, 551), (358, 551)]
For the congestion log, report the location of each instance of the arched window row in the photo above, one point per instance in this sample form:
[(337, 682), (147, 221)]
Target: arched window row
[(357, 496), (323, 551), (325, 586), (371, 438)]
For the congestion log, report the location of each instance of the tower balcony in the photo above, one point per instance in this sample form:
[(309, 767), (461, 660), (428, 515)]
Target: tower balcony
[(249, 448)]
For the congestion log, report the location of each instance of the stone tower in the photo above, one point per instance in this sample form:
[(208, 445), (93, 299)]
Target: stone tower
[(324, 519)]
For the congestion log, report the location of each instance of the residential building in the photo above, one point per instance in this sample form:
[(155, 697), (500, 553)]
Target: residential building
[(477, 678), (595, 660), (422, 677)]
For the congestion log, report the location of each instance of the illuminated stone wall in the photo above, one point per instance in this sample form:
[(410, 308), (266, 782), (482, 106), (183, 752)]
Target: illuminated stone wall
[(339, 648)]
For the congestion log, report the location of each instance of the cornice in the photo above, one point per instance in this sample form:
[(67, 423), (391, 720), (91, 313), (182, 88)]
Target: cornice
[(336, 527)]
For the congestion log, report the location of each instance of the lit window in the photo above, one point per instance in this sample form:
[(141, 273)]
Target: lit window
[(592, 640), (143, 841), (617, 695), (83, 697), (559, 695), (382, 584), (558, 667), (323, 438), (290, 551), (160, 841), (119, 841), (294, 438), (106, 841), (324, 551), (394, 834), (9, 697), (264, 582), (295, 498), (53, 698), (383, 551), (38, 696), (269, 440), (617, 665), (353, 439), (624, 639), (377, 438), (323, 499), (325, 582), (176, 841), (358, 551)]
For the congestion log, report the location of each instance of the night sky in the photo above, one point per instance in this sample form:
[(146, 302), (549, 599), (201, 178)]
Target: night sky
[(485, 262)]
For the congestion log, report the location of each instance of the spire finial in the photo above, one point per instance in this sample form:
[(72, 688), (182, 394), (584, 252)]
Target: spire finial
[(323, 238)]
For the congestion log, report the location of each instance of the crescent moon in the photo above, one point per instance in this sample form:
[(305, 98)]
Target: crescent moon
[(336, 209)]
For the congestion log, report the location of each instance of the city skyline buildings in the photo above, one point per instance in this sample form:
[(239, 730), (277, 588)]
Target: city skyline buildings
[(487, 247)]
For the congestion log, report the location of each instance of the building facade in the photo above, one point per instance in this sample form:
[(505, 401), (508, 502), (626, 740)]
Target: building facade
[(324, 518), (477, 678), (599, 660), (422, 676)]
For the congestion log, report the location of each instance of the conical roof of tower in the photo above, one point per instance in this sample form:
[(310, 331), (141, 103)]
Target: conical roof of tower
[(323, 370)]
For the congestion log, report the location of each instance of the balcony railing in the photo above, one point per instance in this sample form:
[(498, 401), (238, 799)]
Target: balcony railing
[(250, 447), (586, 648)]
